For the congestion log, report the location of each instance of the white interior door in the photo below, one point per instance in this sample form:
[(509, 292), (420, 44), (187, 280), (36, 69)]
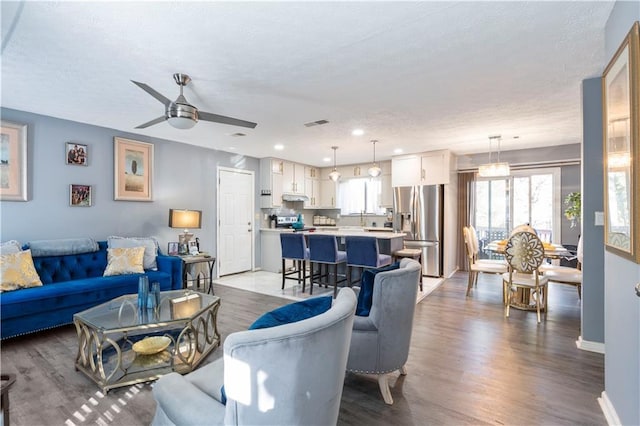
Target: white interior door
[(235, 221)]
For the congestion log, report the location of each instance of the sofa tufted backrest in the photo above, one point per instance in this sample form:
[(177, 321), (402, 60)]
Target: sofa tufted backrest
[(53, 269)]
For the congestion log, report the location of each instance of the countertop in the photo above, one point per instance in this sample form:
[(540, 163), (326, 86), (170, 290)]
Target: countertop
[(344, 232)]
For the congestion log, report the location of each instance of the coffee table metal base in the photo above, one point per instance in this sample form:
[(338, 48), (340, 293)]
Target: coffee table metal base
[(107, 357)]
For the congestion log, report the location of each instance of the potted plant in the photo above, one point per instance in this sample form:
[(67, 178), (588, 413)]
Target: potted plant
[(573, 202)]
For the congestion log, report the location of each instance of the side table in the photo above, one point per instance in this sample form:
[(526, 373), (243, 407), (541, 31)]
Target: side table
[(191, 265)]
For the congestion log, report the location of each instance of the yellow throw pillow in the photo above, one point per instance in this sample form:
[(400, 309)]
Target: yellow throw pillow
[(125, 260), (17, 271)]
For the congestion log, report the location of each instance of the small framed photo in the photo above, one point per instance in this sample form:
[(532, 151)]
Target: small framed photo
[(193, 247), (172, 248), (77, 154), (80, 195)]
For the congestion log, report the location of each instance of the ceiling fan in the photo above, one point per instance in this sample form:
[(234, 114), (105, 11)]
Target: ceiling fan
[(181, 114)]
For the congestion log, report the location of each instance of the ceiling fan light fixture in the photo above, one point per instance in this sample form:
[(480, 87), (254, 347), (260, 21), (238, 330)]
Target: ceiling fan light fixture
[(181, 123), (374, 171), (335, 174)]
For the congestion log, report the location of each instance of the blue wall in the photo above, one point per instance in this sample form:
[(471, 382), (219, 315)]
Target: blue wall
[(184, 177), (622, 307)]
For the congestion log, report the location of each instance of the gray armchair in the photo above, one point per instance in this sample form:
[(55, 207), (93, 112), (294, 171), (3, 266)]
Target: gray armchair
[(291, 374), (380, 342)]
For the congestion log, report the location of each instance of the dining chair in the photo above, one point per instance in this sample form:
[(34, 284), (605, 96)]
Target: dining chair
[(475, 265), (363, 252), (525, 227), (324, 251), (525, 253), (566, 274), (294, 247)]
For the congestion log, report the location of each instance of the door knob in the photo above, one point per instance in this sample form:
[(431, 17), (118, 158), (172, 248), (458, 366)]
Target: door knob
[(638, 289)]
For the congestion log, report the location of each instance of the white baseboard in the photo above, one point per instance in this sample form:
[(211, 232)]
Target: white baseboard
[(608, 410), (452, 273), (586, 345)]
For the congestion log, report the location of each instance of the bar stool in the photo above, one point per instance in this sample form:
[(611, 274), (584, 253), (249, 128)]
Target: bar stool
[(294, 247), (411, 253), (363, 252), (324, 251)]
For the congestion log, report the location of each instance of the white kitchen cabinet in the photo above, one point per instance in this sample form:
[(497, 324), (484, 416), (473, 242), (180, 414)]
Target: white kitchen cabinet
[(312, 191), (428, 168), (311, 172), (327, 189), (270, 182), (293, 178), (386, 195)]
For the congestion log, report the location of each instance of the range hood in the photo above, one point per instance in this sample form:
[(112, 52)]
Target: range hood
[(290, 196)]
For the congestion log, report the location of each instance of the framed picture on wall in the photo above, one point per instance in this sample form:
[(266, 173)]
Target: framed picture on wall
[(76, 154), (13, 161), (80, 195), (133, 170), (621, 112)]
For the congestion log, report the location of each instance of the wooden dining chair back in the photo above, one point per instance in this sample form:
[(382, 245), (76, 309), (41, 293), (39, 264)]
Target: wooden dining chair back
[(475, 265), (525, 253)]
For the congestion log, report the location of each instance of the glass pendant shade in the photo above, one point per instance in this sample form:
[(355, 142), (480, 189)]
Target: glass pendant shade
[(374, 171), (492, 169), (335, 174)]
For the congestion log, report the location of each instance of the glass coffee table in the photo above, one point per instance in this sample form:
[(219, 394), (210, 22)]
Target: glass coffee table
[(120, 344)]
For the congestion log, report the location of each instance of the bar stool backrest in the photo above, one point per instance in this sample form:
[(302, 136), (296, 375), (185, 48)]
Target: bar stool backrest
[(323, 248), (293, 246), (362, 251)]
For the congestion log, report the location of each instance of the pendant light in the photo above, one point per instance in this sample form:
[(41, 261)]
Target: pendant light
[(335, 174), (492, 169), (374, 171)]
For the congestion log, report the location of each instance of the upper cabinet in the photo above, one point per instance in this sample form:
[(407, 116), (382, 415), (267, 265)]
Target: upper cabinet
[(293, 177), (428, 168), (271, 182), (312, 187)]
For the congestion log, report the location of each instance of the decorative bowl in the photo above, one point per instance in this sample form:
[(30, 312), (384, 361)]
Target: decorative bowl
[(151, 345)]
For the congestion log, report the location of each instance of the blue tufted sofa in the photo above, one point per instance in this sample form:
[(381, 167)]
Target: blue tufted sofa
[(73, 283)]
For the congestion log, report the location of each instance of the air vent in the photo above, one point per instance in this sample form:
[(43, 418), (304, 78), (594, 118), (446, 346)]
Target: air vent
[(316, 123), (237, 135)]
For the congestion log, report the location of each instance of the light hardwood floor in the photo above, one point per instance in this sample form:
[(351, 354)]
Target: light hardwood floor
[(467, 365)]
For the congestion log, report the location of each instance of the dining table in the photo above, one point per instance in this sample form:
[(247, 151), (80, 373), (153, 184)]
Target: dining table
[(522, 299)]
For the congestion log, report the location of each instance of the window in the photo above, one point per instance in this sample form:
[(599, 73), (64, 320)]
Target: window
[(527, 196), (360, 195)]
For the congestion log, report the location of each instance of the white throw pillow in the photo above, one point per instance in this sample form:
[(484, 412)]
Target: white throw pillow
[(150, 245), (10, 247)]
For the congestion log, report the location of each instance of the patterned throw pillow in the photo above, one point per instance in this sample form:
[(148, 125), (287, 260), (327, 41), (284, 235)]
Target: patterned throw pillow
[(124, 261), (150, 248), (17, 271)]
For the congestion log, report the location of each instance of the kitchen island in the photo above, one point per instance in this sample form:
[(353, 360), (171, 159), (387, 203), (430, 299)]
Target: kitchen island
[(272, 254)]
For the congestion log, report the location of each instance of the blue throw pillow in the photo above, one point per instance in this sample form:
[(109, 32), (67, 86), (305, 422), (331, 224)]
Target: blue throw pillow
[(365, 297), (293, 312)]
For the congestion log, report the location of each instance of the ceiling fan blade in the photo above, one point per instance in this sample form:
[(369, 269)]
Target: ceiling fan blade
[(153, 93), (207, 116), (152, 122)]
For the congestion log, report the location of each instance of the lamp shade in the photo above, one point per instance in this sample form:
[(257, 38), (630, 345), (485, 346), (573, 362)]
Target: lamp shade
[(185, 219), (181, 122), (494, 170)]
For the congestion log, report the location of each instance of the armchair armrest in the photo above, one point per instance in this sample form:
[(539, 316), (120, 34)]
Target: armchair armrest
[(185, 404), (173, 266)]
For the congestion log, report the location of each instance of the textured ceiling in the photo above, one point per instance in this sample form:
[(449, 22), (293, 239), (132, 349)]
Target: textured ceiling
[(414, 75)]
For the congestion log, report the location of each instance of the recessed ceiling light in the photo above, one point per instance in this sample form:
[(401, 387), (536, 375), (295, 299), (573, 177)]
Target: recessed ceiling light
[(278, 147), (232, 148), (326, 159), (397, 151), (357, 132)]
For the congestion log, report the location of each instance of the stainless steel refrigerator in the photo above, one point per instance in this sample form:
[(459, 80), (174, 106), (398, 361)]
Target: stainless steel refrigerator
[(419, 214)]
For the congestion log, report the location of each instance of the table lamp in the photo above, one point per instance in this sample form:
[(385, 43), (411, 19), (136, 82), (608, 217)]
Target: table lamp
[(185, 219)]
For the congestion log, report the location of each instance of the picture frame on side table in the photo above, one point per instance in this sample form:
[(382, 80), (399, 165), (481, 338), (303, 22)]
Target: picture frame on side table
[(76, 154), (621, 115), (172, 248), (80, 195), (133, 170), (13, 161)]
